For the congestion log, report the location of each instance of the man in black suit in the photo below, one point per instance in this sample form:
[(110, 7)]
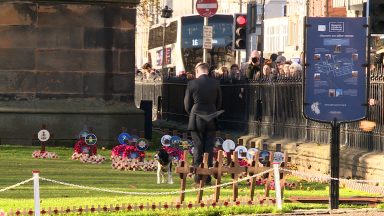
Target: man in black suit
[(202, 101)]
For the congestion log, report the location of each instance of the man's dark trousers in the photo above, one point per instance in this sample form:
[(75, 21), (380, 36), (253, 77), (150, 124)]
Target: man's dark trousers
[(204, 141)]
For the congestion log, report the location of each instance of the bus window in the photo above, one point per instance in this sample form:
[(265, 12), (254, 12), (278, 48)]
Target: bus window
[(156, 35), (192, 38)]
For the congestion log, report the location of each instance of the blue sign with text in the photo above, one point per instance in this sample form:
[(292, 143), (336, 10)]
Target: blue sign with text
[(335, 73)]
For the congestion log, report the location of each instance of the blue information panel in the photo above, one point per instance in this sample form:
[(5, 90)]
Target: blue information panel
[(335, 75)]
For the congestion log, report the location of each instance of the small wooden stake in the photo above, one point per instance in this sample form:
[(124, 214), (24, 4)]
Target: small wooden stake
[(183, 170), (203, 171), (235, 170)]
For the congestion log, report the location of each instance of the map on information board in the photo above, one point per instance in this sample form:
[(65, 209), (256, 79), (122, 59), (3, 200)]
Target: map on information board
[(335, 73)]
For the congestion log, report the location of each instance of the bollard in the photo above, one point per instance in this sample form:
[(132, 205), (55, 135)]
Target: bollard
[(276, 174), (36, 191)]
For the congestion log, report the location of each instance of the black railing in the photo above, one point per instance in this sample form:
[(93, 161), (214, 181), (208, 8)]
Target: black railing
[(280, 115)]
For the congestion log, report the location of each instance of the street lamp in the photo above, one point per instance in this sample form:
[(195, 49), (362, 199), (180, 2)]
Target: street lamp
[(166, 13)]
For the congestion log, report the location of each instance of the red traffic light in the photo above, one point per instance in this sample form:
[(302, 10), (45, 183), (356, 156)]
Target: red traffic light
[(241, 20)]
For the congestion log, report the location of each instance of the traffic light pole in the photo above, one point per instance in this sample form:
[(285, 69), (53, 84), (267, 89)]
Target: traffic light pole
[(205, 50)]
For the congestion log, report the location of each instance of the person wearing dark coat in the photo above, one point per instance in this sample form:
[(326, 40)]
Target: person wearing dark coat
[(202, 102)]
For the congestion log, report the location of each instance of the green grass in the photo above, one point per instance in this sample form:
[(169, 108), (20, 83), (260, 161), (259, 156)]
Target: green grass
[(16, 164)]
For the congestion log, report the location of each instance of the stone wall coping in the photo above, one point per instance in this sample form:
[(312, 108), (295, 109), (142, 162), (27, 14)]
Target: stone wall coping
[(69, 107)]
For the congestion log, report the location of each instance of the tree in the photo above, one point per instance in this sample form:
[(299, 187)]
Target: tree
[(148, 11)]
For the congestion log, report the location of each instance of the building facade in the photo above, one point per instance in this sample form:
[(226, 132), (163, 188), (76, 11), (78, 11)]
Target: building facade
[(273, 9), (354, 8)]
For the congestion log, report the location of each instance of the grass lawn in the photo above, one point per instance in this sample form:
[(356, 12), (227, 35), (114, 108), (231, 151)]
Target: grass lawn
[(16, 164)]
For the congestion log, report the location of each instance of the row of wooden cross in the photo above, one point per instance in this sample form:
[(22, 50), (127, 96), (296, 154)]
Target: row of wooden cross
[(233, 168)]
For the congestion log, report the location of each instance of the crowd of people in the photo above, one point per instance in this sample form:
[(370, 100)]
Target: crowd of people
[(277, 66)]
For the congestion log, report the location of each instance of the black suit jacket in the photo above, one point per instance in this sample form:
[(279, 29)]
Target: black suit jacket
[(203, 100)]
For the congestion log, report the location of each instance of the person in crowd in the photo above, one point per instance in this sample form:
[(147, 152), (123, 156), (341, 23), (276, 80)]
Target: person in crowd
[(183, 75), (266, 72), (218, 74), (253, 65), (224, 72), (273, 57), (295, 70), (236, 73), (212, 71), (286, 68), (146, 71), (202, 102), (278, 69)]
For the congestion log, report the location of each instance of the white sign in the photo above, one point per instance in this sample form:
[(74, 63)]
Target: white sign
[(207, 37), (251, 153), (278, 157), (43, 135), (229, 145), (241, 152)]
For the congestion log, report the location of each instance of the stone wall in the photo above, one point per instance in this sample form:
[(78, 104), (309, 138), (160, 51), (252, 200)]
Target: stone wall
[(315, 158), (67, 57)]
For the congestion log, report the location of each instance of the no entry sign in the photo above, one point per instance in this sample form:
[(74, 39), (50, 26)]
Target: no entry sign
[(206, 8)]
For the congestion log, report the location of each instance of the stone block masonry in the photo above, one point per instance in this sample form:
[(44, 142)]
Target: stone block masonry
[(57, 57)]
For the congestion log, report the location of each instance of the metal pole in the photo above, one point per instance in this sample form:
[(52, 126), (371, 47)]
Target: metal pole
[(36, 191), (367, 12), (238, 52), (205, 50), (335, 168), (262, 38), (163, 56), (193, 7)]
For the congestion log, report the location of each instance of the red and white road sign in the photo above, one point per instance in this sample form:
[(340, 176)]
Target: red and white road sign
[(207, 8)]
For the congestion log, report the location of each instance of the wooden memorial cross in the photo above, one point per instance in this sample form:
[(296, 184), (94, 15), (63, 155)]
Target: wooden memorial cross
[(185, 136), (183, 170), (203, 172), (252, 170), (134, 132), (141, 134), (175, 133), (283, 164), (43, 143), (218, 170), (235, 170), (166, 131), (43, 127), (268, 176), (218, 134)]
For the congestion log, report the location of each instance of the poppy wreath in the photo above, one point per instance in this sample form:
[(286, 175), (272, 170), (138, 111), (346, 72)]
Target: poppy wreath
[(80, 145), (243, 162), (176, 153), (125, 151)]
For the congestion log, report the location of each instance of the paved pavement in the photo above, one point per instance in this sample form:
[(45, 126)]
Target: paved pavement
[(340, 212)]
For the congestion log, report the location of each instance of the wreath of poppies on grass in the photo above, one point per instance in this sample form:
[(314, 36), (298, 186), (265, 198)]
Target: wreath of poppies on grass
[(175, 153), (125, 151), (88, 156), (80, 145)]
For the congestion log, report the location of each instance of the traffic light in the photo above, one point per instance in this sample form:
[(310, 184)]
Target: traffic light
[(240, 32), (376, 13)]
